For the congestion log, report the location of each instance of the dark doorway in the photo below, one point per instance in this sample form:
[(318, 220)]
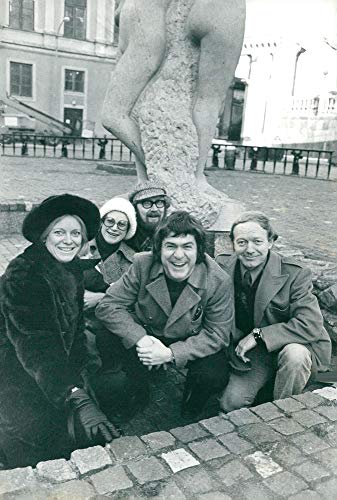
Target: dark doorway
[(74, 118), (235, 125)]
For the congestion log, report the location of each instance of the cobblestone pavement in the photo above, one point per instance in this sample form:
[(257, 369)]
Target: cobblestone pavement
[(304, 210), (281, 450)]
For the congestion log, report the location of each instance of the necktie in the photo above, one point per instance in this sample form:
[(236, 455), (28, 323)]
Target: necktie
[(247, 280)]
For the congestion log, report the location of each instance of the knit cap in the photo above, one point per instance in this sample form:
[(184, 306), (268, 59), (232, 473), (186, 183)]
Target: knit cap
[(124, 206), (148, 189)]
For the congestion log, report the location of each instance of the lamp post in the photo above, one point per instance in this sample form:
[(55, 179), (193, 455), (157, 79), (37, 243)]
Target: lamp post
[(54, 73)]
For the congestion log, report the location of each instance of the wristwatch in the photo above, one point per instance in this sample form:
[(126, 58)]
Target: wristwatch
[(257, 335)]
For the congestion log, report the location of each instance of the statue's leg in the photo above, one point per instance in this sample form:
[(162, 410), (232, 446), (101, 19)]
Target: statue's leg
[(144, 32), (219, 26)]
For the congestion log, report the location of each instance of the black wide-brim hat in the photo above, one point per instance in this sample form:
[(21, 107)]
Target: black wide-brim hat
[(56, 206)]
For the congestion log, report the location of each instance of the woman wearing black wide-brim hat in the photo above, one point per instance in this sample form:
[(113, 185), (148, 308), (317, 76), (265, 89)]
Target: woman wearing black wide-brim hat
[(43, 355)]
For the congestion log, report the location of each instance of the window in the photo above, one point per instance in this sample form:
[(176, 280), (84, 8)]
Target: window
[(74, 80), (75, 11), (21, 79), (21, 14)]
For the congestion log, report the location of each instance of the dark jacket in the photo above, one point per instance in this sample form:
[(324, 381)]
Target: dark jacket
[(200, 322), (42, 351), (286, 309)]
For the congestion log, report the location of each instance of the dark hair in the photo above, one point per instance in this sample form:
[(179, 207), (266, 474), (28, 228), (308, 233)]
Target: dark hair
[(177, 224), (258, 217)]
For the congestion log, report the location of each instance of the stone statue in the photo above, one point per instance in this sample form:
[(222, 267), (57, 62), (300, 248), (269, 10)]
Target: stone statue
[(177, 60)]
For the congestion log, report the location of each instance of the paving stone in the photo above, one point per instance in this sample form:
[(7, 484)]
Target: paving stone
[(327, 490), (214, 495), (329, 393), (148, 469), (289, 405), (179, 459), (243, 416), (267, 411), (328, 457), (309, 443), (235, 443), (263, 464), (194, 481), (286, 426), (285, 484), (110, 480), (91, 459), (308, 418), (309, 399), (127, 447), (169, 491), (189, 433), (259, 433), (217, 425), (329, 412), (330, 432), (287, 455), (233, 472), (311, 471), (208, 449), (15, 479), (252, 491), (79, 490), (37, 493), (306, 495), (159, 440), (56, 470)]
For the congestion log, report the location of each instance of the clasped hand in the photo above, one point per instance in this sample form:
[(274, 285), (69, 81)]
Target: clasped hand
[(245, 345), (152, 352)]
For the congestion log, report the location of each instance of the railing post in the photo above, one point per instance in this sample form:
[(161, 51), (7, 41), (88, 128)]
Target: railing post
[(102, 144), (296, 166), (215, 158), (254, 155), (64, 149), (24, 147), (230, 157)]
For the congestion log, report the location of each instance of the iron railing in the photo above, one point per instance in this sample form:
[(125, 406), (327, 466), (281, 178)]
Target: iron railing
[(274, 160)]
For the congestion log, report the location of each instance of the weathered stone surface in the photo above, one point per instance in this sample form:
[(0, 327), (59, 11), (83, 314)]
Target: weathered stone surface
[(329, 458), (233, 472), (217, 425), (148, 469), (16, 479), (286, 426), (309, 399), (159, 440), (179, 459), (308, 418), (79, 490), (259, 433), (243, 416), (306, 495), (285, 484), (235, 443), (195, 481), (264, 465), (189, 433), (214, 495), (252, 491), (57, 471), (91, 459), (327, 490), (287, 455), (168, 490), (329, 412), (328, 298), (289, 405), (39, 492), (329, 393), (309, 443), (208, 449), (111, 480), (127, 447), (311, 471), (267, 411)]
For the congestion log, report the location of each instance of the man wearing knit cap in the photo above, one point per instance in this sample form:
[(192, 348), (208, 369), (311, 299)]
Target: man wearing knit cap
[(151, 203)]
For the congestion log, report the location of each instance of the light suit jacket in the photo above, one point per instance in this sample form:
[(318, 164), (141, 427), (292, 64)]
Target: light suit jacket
[(200, 322), (286, 309)]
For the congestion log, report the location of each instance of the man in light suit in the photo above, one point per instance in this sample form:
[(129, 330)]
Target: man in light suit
[(279, 330), (175, 305)]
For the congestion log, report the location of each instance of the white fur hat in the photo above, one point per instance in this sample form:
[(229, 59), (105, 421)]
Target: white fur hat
[(124, 206)]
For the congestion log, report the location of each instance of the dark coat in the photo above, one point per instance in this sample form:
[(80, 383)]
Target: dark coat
[(286, 309), (200, 322), (42, 353)]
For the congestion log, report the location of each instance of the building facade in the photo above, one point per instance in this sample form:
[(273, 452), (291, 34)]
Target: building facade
[(56, 56)]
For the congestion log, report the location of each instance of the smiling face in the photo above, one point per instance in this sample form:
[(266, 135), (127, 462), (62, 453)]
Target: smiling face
[(64, 239), (251, 244), (179, 256), (115, 226), (151, 216)]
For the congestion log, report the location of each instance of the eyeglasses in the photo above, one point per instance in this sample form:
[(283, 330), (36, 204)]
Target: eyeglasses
[(121, 224), (150, 203)]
